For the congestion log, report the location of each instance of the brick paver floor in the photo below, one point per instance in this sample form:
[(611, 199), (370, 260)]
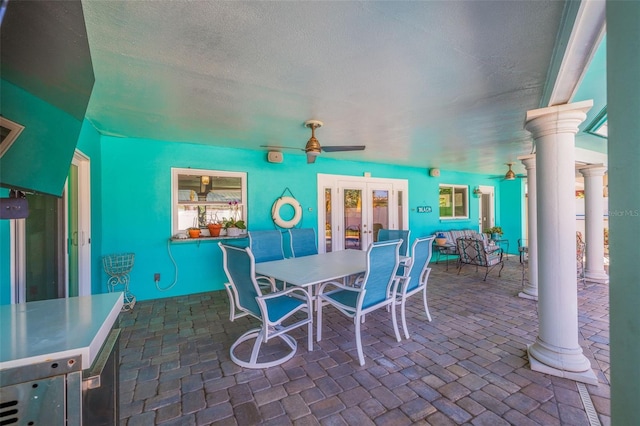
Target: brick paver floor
[(467, 366)]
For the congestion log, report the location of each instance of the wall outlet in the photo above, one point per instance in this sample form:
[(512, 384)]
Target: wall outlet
[(156, 277)]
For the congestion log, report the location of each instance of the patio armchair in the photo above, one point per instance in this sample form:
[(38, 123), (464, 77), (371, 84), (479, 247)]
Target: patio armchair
[(414, 277), (267, 246), (272, 310), (377, 290), (474, 252), (303, 242), (396, 234)]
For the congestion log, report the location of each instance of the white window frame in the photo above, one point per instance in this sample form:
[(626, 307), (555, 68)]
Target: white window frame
[(175, 203), (453, 187)]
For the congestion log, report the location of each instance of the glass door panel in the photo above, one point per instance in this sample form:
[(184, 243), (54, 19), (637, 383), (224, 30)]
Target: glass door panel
[(380, 211), (328, 233), (352, 223), (44, 254)]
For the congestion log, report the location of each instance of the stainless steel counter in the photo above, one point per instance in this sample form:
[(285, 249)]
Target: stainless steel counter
[(59, 361)]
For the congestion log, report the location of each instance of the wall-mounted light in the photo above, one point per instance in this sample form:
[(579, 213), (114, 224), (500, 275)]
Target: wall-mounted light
[(477, 192), (204, 180)]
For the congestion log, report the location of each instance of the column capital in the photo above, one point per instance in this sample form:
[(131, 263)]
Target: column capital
[(529, 161), (557, 119), (593, 170)]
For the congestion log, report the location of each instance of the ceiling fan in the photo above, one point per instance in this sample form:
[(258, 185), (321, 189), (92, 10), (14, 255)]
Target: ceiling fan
[(510, 175), (313, 147)]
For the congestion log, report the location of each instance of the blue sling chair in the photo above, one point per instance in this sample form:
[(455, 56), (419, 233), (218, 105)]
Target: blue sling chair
[(272, 309), (303, 242), (414, 277), (377, 290), (396, 234), (267, 246)]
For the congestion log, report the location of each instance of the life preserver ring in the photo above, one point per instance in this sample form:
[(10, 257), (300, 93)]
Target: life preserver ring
[(275, 212)]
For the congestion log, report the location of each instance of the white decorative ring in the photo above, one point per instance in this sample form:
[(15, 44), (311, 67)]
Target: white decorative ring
[(275, 212)]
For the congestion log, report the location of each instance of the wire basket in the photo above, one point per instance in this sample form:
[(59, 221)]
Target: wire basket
[(117, 265)]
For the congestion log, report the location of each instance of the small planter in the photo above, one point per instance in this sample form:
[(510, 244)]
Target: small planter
[(441, 241), (233, 232), (194, 233), (214, 229)]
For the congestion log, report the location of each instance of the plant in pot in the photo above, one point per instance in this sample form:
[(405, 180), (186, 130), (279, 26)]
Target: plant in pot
[(233, 225), (441, 240), (214, 226), (194, 232), (495, 232)]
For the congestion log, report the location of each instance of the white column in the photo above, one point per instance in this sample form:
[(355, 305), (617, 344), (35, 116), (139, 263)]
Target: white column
[(530, 291), (556, 350), (594, 223)]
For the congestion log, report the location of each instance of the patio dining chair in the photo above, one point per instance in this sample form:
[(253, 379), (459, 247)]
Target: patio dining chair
[(267, 246), (396, 234), (414, 277), (377, 291), (303, 242), (272, 310)]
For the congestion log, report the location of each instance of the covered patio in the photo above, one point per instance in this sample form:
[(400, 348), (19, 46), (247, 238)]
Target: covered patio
[(468, 366)]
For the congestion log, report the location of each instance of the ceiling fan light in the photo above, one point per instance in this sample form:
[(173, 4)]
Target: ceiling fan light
[(510, 173), (313, 146)]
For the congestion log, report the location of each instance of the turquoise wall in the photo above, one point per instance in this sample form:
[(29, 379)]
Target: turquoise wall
[(39, 159), (136, 204), (511, 206)]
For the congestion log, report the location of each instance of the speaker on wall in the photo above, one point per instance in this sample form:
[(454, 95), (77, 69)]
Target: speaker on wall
[(274, 157)]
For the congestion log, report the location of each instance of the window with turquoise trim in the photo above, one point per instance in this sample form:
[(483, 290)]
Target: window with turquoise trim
[(454, 201), (201, 197)]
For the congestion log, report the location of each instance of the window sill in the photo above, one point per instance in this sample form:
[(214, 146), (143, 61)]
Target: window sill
[(205, 239)]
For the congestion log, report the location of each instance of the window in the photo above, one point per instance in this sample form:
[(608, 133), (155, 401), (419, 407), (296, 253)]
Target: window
[(453, 202), (202, 196)]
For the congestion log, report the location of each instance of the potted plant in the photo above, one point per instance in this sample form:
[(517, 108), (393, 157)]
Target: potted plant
[(194, 232), (495, 232), (232, 225), (214, 226), (441, 240)]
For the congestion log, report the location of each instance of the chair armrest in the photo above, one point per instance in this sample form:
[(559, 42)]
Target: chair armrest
[(282, 293), (338, 285)]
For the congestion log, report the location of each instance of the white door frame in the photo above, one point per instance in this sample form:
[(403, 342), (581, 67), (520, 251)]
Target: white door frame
[(17, 238), (337, 183), (83, 163), (492, 206)]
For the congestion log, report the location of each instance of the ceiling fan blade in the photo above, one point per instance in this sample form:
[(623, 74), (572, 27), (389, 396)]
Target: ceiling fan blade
[(280, 147), (340, 148), (311, 158)]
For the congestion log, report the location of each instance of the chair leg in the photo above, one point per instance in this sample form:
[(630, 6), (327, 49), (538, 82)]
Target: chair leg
[(404, 317), (357, 322), (426, 306), (395, 320)]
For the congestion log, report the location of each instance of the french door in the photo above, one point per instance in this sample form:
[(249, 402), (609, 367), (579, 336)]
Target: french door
[(51, 248), (356, 208)]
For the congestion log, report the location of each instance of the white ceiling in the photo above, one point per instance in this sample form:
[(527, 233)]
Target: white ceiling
[(428, 84)]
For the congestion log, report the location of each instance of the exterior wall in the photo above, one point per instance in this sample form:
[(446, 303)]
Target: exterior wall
[(136, 204)]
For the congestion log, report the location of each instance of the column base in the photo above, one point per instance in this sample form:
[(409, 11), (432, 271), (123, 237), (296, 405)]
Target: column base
[(587, 377), (600, 277), (579, 367), (525, 295)]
